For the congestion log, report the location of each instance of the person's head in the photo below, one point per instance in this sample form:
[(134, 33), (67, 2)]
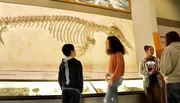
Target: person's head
[(68, 50), (172, 37), (149, 50), (114, 45)]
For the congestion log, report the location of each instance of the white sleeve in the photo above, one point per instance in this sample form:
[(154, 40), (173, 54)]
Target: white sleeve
[(142, 70)]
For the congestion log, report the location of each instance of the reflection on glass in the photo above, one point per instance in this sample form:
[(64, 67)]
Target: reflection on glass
[(131, 85), (29, 88), (100, 86), (127, 85), (36, 88), (118, 4), (53, 88), (88, 89)]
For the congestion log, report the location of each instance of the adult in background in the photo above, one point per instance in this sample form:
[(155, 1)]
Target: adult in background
[(170, 67), (70, 76)]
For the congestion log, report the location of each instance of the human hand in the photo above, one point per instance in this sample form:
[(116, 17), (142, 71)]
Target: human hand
[(106, 77), (154, 71), (150, 72), (110, 83)]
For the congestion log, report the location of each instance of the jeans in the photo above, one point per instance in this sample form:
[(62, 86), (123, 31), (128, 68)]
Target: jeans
[(172, 92), (71, 95), (112, 92)]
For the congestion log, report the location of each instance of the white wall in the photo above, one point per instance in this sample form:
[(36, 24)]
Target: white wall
[(145, 23), (165, 29), (168, 9), (143, 16)]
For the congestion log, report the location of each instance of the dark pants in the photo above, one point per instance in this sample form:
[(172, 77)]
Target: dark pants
[(70, 95), (173, 92), (154, 93)]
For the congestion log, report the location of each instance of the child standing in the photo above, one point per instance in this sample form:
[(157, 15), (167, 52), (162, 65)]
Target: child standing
[(149, 69), (116, 50), (70, 76)]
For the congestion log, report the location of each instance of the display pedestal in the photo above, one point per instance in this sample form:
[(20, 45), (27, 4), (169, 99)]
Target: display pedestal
[(132, 98)]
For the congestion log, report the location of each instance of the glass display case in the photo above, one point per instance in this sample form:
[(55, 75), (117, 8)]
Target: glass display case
[(127, 86), (88, 88), (29, 88), (131, 85), (36, 88), (52, 88), (100, 86)]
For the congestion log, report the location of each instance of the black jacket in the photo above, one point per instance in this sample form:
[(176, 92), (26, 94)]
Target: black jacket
[(71, 74)]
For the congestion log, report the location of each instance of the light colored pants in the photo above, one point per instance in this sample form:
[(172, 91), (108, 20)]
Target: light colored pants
[(112, 92)]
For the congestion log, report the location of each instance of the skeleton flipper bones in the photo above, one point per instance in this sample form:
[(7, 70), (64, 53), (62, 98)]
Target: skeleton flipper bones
[(67, 29)]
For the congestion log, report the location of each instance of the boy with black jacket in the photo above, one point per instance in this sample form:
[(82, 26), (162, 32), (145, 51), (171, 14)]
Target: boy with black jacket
[(70, 76)]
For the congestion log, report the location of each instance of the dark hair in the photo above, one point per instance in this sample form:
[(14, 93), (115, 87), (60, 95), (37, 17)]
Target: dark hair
[(172, 37), (146, 47), (115, 45), (67, 48)]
